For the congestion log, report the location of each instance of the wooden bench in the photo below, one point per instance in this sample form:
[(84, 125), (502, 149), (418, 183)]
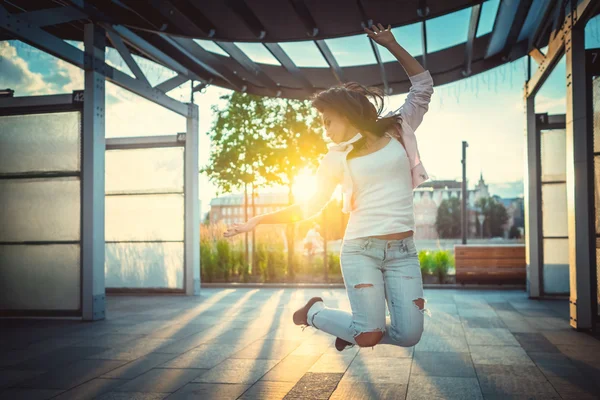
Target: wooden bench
[(490, 264)]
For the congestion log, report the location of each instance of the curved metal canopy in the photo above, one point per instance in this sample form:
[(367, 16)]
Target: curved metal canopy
[(164, 31)]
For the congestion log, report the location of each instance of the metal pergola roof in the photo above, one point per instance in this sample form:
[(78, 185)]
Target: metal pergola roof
[(164, 31)]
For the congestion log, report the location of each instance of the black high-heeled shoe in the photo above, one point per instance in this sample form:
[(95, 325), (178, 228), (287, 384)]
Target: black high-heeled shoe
[(300, 317), (341, 344)]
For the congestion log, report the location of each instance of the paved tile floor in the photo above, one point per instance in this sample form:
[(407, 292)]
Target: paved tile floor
[(240, 343)]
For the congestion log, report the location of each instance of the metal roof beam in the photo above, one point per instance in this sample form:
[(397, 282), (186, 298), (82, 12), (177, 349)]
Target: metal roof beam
[(247, 15), (537, 55), (423, 12), (542, 24), (238, 55), (304, 14), (580, 14), (386, 86), (288, 64), (52, 16), (172, 83), (37, 37), (368, 22), (509, 21), (335, 67), (206, 60), (148, 49), (473, 24), (126, 55), (517, 24), (198, 27)]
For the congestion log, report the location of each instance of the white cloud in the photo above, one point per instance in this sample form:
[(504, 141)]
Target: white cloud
[(15, 74)]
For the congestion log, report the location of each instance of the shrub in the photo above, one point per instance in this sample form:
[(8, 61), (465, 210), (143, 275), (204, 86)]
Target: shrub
[(334, 264), (442, 261), (426, 261)]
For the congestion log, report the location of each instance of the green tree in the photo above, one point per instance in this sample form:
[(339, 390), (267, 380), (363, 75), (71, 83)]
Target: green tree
[(238, 145), (447, 222), (296, 142), (495, 216)]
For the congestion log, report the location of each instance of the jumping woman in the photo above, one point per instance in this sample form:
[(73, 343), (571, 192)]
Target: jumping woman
[(376, 161)]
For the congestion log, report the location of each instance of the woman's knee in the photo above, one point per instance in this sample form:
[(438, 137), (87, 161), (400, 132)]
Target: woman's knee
[(406, 338), (368, 339)]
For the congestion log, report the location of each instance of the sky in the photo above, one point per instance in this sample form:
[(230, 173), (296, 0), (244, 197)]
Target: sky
[(486, 110)]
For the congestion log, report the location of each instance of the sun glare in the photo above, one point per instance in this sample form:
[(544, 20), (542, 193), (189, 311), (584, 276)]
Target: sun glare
[(304, 186)]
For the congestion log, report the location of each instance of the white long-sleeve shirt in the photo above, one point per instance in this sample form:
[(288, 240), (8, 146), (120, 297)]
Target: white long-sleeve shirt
[(377, 188)]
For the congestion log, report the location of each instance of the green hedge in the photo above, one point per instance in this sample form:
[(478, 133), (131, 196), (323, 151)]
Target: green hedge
[(436, 263)]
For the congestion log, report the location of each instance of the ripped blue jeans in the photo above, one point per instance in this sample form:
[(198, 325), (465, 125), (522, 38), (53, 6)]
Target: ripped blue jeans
[(376, 271)]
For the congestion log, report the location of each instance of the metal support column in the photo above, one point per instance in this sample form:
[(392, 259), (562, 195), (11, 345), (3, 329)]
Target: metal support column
[(93, 145), (464, 222), (192, 212), (580, 200), (533, 202)]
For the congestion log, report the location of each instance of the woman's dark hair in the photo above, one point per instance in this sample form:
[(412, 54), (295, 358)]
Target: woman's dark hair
[(352, 101)]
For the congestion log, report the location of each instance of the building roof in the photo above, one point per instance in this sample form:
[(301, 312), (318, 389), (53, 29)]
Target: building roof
[(237, 199), (441, 184), (260, 46)]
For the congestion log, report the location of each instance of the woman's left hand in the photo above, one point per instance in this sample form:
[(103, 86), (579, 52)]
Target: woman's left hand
[(381, 35)]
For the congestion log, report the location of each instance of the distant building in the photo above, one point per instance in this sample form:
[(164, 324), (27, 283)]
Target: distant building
[(429, 196), (229, 209)]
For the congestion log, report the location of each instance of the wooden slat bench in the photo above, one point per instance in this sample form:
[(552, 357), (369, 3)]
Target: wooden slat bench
[(490, 263)]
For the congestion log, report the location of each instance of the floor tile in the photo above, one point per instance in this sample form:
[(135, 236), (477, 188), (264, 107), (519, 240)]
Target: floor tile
[(29, 394), (267, 390), (482, 322), (133, 396), (268, 349), (291, 369), (506, 355), (379, 370), (72, 375), (335, 363), (90, 389), (204, 356), (317, 386), (454, 344), (438, 387), (443, 364), (212, 391), (237, 370), (135, 368), (535, 342), (360, 391), (161, 380), (490, 337)]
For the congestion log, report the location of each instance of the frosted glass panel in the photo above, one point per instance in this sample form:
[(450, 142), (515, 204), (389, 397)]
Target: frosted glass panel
[(597, 191), (41, 277), (39, 209), (596, 109), (556, 251), (144, 217), (554, 210), (144, 265), (40, 142), (556, 265), (554, 155), (144, 170)]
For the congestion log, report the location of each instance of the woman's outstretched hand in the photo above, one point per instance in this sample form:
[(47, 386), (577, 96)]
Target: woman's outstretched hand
[(381, 35), (236, 229)]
